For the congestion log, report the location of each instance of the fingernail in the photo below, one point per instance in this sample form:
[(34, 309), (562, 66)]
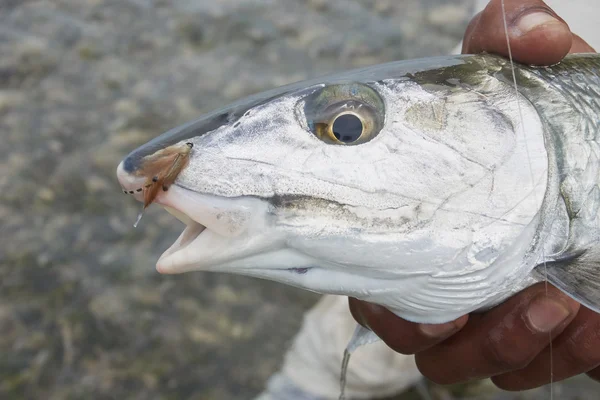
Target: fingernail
[(545, 314), (438, 330), (529, 22)]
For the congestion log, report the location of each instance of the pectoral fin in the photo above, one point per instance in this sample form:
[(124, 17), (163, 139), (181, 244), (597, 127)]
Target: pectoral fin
[(577, 274)]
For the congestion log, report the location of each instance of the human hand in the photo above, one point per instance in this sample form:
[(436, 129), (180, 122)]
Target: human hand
[(537, 35), (510, 342)]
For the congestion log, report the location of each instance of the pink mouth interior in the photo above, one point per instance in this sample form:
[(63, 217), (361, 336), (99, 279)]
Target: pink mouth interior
[(189, 234)]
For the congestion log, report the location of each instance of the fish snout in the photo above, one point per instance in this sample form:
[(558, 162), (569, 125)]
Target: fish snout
[(130, 183)]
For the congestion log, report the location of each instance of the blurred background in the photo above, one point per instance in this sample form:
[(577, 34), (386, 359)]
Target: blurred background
[(83, 313)]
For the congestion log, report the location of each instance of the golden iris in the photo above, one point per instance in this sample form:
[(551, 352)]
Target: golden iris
[(345, 114)]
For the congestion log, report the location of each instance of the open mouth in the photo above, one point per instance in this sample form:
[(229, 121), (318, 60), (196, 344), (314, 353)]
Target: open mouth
[(210, 221), (221, 234), (171, 202), (197, 239), (191, 232), (216, 228), (213, 224)]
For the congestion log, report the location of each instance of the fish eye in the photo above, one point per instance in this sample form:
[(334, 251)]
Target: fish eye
[(347, 128), (347, 114)]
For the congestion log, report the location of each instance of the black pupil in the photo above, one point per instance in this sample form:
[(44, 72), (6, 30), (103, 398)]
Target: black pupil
[(347, 128)]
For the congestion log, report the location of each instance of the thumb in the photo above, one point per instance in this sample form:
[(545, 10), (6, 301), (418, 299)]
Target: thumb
[(537, 35)]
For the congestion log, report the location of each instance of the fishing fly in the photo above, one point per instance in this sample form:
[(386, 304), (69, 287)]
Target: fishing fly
[(161, 170)]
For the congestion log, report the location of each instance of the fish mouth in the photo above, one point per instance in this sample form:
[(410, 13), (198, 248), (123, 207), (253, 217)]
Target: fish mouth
[(190, 233), (232, 235), (218, 230)]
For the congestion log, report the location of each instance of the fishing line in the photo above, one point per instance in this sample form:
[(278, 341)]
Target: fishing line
[(514, 77), (343, 375)]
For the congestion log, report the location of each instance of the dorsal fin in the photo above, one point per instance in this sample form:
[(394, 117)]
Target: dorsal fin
[(577, 274)]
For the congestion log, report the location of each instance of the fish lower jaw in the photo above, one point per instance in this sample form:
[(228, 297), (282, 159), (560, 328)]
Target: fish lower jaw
[(191, 232)]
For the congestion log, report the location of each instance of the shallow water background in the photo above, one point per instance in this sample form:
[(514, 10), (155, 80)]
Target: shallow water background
[(83, 314)]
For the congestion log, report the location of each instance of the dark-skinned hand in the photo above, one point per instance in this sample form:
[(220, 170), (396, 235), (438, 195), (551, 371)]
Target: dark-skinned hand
[(510, 342)]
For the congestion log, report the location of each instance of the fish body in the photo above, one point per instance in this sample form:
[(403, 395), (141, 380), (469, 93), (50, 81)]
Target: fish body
[(430, 187)]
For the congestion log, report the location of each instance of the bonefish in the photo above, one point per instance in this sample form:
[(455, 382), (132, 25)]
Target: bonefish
[(401, 184)]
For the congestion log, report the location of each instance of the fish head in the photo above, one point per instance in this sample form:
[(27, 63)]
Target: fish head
[(351, 185)]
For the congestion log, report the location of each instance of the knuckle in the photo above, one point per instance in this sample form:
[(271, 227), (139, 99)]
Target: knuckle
[(434, 370), (503, 357), (402, 348), (580, 354), (581, 350), (406, 338), (400, 345)]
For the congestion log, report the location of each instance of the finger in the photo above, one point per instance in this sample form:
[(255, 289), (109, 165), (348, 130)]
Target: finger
[(580, 46), (575, 351), (595, 374), (537, 35), (503, 339), (402, 336)]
